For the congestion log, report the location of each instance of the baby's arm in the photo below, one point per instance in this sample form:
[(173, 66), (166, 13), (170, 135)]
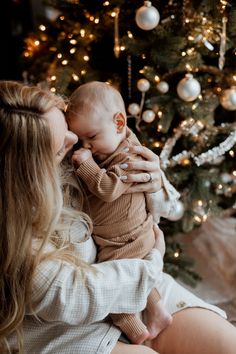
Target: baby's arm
[(105, 184)]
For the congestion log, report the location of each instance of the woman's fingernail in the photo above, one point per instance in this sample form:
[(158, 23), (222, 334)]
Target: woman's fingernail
[(123, 166), (123, 178), (126, 149)]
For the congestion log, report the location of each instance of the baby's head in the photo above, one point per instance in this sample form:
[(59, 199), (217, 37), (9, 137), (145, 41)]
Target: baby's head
[(96, 114)]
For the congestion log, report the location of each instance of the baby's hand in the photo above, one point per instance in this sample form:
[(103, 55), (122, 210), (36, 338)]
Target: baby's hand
[(80, 156), (160, 241)]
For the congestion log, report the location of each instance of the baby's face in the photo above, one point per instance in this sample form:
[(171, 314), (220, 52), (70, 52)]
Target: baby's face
[(101, 136)]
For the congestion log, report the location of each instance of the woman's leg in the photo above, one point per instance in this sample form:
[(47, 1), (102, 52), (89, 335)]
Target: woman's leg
[(197, 331), (123, 348)]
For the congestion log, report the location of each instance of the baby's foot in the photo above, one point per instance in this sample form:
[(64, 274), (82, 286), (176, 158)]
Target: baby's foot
[(157, 319)]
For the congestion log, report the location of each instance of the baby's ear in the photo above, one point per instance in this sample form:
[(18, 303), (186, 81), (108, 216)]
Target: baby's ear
[(120, 121)]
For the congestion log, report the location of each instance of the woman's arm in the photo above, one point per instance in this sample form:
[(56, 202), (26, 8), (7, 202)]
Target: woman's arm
[(120, 286)]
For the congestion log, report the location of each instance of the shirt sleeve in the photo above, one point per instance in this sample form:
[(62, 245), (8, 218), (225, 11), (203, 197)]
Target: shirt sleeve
[(119, 286), (162, 203), (105, 184)]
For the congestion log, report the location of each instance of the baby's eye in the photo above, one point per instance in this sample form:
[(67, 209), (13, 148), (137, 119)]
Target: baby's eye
[(92, 137)]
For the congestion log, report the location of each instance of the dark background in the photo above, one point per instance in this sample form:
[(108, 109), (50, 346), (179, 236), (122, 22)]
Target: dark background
[(17, 19)]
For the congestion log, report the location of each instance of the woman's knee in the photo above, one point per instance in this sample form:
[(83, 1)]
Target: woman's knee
[(123, 348)]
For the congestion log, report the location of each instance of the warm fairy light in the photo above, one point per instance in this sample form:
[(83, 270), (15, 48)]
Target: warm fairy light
[(185, 162), (36, 42), (197, 219), (187, 20), (159, 127), (73, 41), (86, 58), (122, 48), (83, 72), (106, 3), (75, 77), (190, 51), (156, 144), (156, 78), (176, 254), (234, 77), (62, 18), (53, 78), (190, 38), (188, 67), (26, 54), (143, 56), (82, 32), (130, 35), (231, 153), (42, 28), (234, 173), (96, 20), (53, 89), (72, 50), (59, 55), (200, 202), (113, 14), (183, 54), (160, 114), (218, 89), (91, 18), (141, 71), (64, 62), (220, 186)]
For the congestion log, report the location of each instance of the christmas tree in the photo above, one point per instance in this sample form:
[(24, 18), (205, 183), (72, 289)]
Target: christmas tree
[(174, 63)]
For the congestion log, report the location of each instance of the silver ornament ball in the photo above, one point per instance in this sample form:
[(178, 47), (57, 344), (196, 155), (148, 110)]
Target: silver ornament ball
[(188, 88), (147, 17), (178, 212), (228, 99), (162, 87), (143, 85), (134, 109), (148, 116)]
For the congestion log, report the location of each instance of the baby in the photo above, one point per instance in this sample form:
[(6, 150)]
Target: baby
[(123, 228)]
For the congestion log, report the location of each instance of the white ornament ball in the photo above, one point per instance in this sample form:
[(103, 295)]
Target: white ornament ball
[(147, 17), (228, 99), (178, 212), (143, 85), (162, 87), (188, 88), (134, 109), (148, 116)]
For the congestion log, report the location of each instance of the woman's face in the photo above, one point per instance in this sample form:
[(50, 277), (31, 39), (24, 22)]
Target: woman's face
[(64, 139)]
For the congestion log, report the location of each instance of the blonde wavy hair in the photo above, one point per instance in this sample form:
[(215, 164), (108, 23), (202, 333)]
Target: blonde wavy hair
[(31, 200)]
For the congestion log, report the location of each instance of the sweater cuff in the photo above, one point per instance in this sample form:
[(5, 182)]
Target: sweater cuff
[(87, 170)]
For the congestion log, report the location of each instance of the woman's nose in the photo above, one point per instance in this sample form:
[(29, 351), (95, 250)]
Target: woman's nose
[(71, 138)]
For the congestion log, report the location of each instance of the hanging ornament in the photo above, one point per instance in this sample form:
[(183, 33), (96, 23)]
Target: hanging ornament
[(116, 33), (162, 87), (178, 212), (147, 17), (223, 44), (228, 99), (188, 88), (134, 109), (148, 116), (143, 85)]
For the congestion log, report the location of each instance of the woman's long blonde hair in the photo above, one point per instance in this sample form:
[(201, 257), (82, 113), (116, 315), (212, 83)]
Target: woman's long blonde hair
[(30, 196)]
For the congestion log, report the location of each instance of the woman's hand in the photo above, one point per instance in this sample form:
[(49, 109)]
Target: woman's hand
[(148, 177)]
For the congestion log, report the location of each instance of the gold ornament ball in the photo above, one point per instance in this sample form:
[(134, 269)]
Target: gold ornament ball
[(143, 85), (162, 87)]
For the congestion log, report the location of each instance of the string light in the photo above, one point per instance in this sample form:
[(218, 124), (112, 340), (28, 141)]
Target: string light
[(42, 28)]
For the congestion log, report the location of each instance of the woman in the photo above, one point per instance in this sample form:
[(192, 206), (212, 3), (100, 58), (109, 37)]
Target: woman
[(51, 297)]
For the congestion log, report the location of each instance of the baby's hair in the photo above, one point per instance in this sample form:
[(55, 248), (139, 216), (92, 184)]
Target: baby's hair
[(94, 96)]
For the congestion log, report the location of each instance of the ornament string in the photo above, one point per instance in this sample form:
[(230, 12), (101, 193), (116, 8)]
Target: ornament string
[(221, 62)]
